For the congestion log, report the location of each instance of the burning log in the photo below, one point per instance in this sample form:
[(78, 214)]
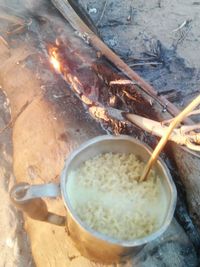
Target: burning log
[(88, 92), (92, 81), (58, 54), (53, 123)]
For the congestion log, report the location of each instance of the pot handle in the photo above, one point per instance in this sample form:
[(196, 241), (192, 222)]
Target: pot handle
[(27, 198)]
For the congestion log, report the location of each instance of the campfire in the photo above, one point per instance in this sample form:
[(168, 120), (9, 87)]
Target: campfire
[(65, 86), (54, 61), (59, 59)]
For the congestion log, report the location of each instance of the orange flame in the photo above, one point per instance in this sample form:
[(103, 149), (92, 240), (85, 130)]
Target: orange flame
[(55, 63)]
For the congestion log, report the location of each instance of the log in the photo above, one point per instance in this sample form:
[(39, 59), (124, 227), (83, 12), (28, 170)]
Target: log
[(41, 145), (50, 126)]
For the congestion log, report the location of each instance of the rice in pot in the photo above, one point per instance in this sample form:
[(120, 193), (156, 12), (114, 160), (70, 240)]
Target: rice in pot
[(106, 195)]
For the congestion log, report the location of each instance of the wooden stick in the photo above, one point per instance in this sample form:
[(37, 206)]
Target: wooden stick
[(165, 137), (102, 13), (11, 18), (84, 31), (83, 15), (191, 141)]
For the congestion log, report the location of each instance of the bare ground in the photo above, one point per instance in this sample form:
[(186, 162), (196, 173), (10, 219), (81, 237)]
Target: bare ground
[(166, 30), (130, 28)]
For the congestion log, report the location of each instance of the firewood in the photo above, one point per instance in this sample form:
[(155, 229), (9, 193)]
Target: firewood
[(90, 37), (181, 136), (179, 118)]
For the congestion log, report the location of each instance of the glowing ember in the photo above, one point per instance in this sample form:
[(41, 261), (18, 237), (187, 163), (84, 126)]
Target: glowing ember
[(55, 63), (63, 68), (123, 82), (99, 112)]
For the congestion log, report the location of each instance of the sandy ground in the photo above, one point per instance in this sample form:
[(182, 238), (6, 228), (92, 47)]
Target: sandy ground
[(166, 29), (160, 19), (174, 23)]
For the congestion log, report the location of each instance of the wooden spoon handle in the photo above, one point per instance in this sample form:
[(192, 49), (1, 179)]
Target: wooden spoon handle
[(165, 137)]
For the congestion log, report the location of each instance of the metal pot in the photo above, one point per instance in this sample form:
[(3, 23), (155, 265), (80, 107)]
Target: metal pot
[(92, 244)]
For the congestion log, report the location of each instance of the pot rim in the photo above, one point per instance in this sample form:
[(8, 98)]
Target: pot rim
[(103, 237)]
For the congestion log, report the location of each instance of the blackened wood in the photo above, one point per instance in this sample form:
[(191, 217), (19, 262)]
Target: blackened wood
[(83, 15)]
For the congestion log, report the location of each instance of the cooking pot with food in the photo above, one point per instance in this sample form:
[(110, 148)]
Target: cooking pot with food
[(106, 218)]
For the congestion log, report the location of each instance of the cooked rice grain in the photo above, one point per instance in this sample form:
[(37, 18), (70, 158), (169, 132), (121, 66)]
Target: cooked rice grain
[(107, 196)]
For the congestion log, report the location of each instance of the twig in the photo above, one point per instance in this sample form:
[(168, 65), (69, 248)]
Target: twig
[(122, 82), (144, 63), (189, 128), (3, 41), (129, 95), (67, 11), (129, 18), (112, 23), (194, 112), (130, 60), (165, 137), (12, 121), (22, 109), (18, 29), (171, 95), (19, 24), (102, 13), (181, 26), (11, 18), (83, 14), (182, 31)]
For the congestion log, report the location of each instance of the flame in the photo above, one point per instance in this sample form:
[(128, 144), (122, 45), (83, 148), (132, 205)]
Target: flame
[(99, 112), (95, 110), (54, 58), (55, 63)]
